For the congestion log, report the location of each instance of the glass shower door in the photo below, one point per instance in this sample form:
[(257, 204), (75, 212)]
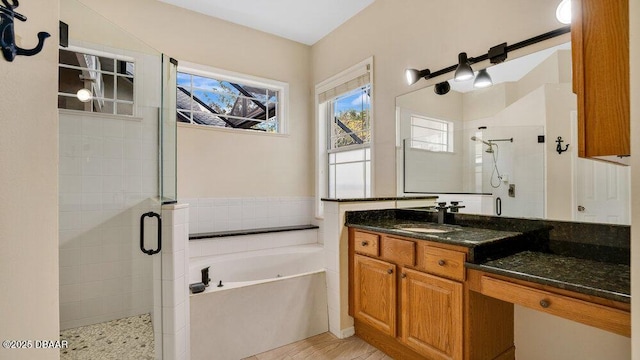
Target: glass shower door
[(109, 176)]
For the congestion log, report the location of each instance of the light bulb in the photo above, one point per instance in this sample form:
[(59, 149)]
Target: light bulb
[(483, 79), (563, 12), (84, 95)]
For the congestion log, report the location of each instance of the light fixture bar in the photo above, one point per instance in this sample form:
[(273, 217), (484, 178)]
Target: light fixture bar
[(516, 46)]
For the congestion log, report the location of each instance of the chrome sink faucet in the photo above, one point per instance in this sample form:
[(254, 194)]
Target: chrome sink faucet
[(442, 209), (454, 206)]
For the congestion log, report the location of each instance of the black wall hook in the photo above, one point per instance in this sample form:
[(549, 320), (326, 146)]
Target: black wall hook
[(559, 148), (7, 33)]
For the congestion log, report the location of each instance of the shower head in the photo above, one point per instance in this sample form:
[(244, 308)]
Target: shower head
[(474, 138), (489, 149)]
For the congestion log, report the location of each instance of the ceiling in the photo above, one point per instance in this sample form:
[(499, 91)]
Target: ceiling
[(304, 21)]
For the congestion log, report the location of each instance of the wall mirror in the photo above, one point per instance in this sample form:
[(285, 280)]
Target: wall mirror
[(494, 148)]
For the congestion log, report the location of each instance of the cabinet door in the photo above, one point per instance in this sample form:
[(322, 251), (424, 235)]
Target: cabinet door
[(600, 52), (375, 293), (431, 315)]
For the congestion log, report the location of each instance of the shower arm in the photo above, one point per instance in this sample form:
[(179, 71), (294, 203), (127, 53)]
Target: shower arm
[(494, 140)]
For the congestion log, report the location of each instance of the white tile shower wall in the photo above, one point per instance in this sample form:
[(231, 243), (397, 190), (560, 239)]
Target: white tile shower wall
[(225, 214), (234, 244), (103, 274), (175, 291), (107, 178)]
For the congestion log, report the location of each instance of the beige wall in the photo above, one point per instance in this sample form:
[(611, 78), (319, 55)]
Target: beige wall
[(417, 34), (29, 187), (222, 163)]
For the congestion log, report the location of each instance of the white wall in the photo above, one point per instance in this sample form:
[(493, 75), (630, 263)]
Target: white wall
[(417, 34), (29, 187), (219, 163)]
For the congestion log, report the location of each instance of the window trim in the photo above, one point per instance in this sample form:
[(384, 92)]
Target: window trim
[(321, 153), (231, 76), (450, 132), (118, 57)]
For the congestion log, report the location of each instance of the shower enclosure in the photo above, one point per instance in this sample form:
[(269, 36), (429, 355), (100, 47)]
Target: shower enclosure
[(117, 168), (503, 162)]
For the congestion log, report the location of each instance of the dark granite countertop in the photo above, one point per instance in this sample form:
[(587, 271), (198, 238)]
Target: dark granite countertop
[(463, 236), (601, 279), (387, 198)]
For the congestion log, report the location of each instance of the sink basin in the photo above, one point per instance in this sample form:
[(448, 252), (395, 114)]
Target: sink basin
[(426, 228)]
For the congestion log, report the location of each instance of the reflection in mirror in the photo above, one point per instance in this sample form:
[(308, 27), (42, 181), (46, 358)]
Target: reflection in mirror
[(494, 148)]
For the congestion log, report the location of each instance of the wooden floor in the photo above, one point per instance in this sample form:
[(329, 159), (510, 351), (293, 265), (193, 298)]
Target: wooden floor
[(324, 347)]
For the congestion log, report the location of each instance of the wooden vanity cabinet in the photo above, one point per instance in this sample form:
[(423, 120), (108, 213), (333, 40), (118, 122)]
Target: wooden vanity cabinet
[(375, 293), (431, 314), (600, 57), (408, 298)]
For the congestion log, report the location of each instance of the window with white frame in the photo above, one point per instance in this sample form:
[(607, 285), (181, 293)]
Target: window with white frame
[(236, 103), (431, 134), (93, 82), (345, 115)]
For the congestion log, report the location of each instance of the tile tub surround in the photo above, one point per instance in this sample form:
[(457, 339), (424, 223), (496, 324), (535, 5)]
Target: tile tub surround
[(175, 289), (241, 213)]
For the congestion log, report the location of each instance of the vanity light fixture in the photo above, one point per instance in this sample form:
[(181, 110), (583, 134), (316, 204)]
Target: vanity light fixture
[(84, 95), (483, 79), (563, 12), (464, 70), (442, 88), (414, 75)]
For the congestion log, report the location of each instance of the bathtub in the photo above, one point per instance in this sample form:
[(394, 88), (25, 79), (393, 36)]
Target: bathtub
[(269, 298)]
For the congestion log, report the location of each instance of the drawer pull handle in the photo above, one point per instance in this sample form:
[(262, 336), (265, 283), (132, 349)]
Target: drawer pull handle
[(403, 275), (544, 303), (442, 262), (390, 271), (365, 243)]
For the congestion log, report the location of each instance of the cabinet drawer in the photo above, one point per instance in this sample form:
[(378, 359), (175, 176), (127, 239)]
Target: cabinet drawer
[(443, 262), (366, 243), (399, 251), (617, 321)]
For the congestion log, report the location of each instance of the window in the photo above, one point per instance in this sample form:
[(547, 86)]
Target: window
[(230, 103), (344, 113), (431, 134), (348, 148), (108, 79)]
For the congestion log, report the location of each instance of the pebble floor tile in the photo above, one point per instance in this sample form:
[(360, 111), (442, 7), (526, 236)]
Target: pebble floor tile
[(123, 339)]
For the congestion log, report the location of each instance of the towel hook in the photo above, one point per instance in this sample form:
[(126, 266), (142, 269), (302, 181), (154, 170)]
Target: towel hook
[(559, 148)]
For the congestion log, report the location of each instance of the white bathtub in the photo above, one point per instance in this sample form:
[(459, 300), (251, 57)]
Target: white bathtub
[(270, 298)]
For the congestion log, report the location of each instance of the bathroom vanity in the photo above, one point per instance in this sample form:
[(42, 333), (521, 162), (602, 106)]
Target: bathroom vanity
[(419, 289)]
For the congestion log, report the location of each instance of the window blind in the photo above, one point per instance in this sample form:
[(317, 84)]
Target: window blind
[(344, 88)]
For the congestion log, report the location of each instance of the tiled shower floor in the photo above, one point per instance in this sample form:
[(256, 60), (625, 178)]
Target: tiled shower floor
[(127, 338)]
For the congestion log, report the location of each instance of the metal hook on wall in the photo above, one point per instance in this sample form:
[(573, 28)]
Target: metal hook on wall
[(559, 148), (7, 33)]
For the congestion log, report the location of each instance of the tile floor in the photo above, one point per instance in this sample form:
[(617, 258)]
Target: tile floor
[(324, 347), (127, 338)]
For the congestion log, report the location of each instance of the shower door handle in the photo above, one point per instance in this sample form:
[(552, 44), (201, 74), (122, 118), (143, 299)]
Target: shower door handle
[(151, 251)]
